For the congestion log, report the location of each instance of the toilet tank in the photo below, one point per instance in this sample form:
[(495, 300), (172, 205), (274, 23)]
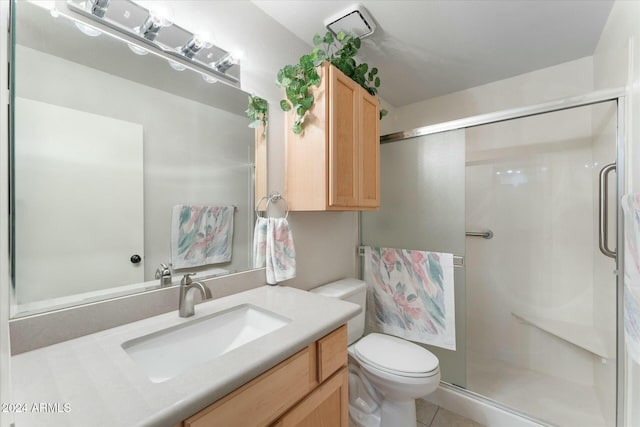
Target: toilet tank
[(351, 290)]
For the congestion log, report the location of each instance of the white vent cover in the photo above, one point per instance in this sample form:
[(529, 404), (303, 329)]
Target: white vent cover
[(355, 20)]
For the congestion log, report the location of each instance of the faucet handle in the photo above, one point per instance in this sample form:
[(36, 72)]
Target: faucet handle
[(163, 271), (186, 279)]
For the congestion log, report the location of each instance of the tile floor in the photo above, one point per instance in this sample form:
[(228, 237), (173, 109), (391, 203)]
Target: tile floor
[(430, 415)]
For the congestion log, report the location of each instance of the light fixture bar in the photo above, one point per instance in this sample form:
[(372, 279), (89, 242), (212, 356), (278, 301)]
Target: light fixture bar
[(225, 68)]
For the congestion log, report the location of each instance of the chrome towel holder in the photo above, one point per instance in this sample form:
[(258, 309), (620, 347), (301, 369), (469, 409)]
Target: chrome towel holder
[(272, 198)]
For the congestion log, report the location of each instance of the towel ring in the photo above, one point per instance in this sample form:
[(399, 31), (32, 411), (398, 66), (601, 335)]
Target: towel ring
[(273, 197)]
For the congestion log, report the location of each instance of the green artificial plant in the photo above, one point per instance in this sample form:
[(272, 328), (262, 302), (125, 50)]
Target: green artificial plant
[(258, 112), (298, 79)]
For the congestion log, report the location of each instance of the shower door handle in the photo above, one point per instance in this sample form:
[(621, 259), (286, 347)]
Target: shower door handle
[(604, 210)]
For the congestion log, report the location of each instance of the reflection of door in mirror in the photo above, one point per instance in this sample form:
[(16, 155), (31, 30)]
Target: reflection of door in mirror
[(86, 235)]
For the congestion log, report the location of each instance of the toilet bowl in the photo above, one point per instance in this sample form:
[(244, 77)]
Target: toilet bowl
[(386, 373)]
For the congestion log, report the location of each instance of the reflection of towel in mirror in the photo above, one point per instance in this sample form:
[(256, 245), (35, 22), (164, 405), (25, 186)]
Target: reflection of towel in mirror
[(281, 254), (201, 235), (260, 243)]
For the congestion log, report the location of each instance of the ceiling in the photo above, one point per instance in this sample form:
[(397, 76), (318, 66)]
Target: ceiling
[(429, 48)]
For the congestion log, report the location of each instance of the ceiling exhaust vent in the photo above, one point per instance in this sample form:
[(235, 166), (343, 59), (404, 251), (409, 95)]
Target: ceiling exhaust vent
[(355, 20)]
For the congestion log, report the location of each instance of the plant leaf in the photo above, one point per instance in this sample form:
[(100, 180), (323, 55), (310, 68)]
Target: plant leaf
[(297, 128), (328, 38), (255, 124), (307, 102), (284, 104), (377, 82), (306, 61), (341, 36), (317, 40)]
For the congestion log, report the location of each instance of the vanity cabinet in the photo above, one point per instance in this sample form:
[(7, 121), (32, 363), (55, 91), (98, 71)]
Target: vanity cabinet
[(335, 163), (308, 389)]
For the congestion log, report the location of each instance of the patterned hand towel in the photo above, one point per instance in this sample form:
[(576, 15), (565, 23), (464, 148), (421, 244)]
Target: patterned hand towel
[(411, 295), (280, 252), (631, 206), (260, 243), (201, 235)]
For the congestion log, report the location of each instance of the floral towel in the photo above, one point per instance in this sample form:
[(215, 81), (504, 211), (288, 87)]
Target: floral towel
[(201, 235), (411, 295), (260, 243), (631, 206), (280, 254)]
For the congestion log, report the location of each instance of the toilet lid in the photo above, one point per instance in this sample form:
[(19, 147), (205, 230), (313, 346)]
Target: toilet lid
[(395, 354)]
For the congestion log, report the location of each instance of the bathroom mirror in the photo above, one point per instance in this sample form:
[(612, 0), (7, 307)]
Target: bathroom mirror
[(105, 143)]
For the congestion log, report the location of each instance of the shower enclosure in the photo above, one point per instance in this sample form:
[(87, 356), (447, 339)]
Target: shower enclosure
[(528, 202)]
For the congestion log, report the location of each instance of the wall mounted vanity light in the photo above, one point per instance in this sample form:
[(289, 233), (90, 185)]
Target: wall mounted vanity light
[(195, 44), (154, 22), (153, 30), (97, 7), (226, 62)]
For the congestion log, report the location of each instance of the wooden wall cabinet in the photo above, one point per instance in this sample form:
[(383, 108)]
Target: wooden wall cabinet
[(309, 389), (335, 163)]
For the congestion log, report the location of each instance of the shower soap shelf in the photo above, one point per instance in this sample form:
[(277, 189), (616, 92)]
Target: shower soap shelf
[(585, 337)]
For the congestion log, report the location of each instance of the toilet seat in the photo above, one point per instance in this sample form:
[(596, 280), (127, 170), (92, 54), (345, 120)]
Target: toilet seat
[(395, 356)]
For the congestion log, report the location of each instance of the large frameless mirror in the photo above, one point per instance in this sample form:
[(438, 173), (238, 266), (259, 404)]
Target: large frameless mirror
[(122, 163)]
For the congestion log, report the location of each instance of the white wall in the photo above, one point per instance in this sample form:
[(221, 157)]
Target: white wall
[(617, 63)]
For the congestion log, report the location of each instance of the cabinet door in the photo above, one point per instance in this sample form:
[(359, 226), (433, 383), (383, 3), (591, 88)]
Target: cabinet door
[(343, 137), (265, 398), (326, 406), (369, 150)]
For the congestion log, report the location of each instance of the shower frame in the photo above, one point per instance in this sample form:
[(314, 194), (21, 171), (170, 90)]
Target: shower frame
[(592, 98)]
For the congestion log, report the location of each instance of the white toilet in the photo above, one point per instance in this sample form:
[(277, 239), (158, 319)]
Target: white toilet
[(386, 374)]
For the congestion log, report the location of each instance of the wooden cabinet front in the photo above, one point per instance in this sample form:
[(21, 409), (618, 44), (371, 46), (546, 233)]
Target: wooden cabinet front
[(326, 406), (288, 394), (334, 164)]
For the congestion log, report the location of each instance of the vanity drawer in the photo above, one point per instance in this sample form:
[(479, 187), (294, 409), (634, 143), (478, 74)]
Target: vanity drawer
[(264, 399), (332, 353)]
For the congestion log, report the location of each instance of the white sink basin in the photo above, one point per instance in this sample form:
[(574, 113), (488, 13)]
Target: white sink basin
[(167, 353)]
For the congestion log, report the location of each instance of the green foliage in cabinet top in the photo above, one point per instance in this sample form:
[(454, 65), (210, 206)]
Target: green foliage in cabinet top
[(297, 79)]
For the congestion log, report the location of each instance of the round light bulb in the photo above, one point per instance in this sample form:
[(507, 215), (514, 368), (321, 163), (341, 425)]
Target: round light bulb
[(137, 49), (207, 78), (88, 30), (238, 55), (177, 66), (161, 15)]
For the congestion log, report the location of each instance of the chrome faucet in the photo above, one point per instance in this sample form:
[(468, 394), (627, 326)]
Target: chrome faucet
[(164, 274), (186, 303)]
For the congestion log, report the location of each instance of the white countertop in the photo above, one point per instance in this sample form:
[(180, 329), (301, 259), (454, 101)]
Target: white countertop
[(102, 386)]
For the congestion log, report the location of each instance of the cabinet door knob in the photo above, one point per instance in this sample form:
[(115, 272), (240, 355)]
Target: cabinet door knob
[(135, 259)]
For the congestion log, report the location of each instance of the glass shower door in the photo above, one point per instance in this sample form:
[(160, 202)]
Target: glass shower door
[(541, 297), (422, 192)]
